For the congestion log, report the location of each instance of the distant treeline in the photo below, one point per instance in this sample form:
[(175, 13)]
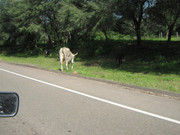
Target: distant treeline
[(31, 24)]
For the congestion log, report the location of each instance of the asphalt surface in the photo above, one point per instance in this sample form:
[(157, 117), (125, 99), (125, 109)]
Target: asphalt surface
[(58, 104)]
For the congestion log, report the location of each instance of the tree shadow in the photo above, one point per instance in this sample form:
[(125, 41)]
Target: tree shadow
[(23, 54), (153, 57)]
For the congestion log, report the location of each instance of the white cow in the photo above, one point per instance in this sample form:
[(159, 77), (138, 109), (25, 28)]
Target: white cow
[(66, 55)]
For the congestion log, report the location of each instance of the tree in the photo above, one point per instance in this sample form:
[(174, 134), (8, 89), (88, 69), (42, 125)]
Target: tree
[(133, 11), (166, 13), (19, 24), (104, 19), (80, 18)]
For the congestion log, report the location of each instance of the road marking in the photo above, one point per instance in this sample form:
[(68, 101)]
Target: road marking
[(96, 98)]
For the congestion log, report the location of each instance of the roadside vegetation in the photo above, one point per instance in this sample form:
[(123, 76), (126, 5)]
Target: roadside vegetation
[(154, 66), (142, 34)]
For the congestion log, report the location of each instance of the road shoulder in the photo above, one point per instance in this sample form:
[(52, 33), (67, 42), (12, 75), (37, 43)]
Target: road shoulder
[(151, 91)]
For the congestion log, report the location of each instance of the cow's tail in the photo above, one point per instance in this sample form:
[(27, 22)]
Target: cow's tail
[(76, 54)]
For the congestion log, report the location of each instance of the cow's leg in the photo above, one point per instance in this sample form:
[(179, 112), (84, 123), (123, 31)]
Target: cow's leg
[(67, 65), (72, 63), (61, 61), (61, 66)]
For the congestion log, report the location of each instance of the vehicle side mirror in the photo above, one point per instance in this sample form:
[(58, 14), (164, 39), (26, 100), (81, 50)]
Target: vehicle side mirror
[(9, 104)]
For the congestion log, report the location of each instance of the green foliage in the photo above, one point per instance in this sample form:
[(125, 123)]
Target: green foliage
[(79, 24), (166, 13), (94, 28), (132, 13)]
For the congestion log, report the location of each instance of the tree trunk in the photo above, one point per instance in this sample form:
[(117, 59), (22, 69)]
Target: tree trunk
[(177, 35), (105, 34), (170, 29), (49, 39), (169, 35), (138, 33)]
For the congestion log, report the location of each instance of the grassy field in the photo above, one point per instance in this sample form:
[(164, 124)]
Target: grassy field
[(164, 76)]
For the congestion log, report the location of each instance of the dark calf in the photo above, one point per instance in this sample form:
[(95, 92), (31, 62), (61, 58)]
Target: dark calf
[(119, 58), (119, 54), (46, 53)]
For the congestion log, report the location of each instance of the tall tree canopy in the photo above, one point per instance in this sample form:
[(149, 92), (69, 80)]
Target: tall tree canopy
[(25, 23), (133, 12), (166, 12)]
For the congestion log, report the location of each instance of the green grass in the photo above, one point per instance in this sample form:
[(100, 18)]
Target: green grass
[(173, 38), (165, 76)]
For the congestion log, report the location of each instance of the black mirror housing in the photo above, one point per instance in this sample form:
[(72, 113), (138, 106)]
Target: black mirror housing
[(9, 104)]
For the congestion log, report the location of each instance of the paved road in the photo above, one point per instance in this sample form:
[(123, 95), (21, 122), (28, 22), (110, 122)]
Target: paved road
[(58, 104)]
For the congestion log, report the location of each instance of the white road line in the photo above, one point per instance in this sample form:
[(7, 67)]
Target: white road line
[(96, 98)]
